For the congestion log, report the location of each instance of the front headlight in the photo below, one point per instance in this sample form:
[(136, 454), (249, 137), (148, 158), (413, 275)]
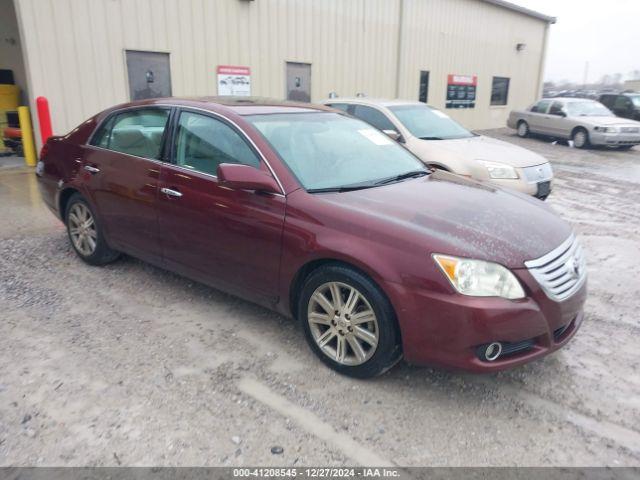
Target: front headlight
[(607, 129), (499, 170), (478, 278)]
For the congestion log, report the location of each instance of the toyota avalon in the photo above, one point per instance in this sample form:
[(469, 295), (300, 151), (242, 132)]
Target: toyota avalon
[(319, 216)]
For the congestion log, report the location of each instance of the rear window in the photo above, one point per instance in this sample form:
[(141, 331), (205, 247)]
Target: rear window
[(134, 132)]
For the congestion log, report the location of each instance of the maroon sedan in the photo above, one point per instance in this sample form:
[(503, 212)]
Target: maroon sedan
[(319, 216)]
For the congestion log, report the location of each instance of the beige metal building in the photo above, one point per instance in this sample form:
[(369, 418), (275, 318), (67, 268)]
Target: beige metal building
[(479, 57)]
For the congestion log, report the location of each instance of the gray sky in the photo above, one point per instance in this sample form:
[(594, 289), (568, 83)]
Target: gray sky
[(604, 33)]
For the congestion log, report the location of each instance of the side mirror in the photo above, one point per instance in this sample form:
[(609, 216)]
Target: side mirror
[(244, 177), (393, 135), (563, 114)]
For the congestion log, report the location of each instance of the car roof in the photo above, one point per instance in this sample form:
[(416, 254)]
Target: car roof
[(238, 105), (570, 99), (382, 102)]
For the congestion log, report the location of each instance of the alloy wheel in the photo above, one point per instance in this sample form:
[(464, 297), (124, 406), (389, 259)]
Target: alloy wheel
[(82, 229), (580, 139), (343, 323)]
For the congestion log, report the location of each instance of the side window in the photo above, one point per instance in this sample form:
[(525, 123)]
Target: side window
[(607, 100), (203, 143), (622, 103), (373, 117), (541, 106), (135, 132), (556, 108), (499, 91), (339, 106)]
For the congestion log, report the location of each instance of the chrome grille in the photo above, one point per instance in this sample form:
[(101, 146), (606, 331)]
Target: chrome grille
[(562, 271), (630, 129), (538, 173)]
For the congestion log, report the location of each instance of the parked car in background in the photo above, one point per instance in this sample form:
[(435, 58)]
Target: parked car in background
[(442, 143), (626, 105), (320, 216), (586, 122)]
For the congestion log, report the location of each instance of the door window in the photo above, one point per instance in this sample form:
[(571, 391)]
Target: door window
[(203, 143), (556, 109), (622, 103), (541, 106), (373, 117), (134, 132)]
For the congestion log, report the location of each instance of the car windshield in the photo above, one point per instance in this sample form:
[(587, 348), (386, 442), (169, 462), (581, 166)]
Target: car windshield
[(428, 123), (328, 151), (635, 99), (587, 109)]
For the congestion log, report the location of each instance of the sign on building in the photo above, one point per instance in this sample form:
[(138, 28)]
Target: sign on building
[(234, 80), (461, 91)]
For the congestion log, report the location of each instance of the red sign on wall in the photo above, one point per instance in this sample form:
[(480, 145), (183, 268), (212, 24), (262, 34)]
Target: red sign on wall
[(463, 80), (233, 70)]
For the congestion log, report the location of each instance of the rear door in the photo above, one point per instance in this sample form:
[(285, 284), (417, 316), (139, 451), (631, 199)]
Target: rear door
[(122, 168), (224, 237), (538, 118)]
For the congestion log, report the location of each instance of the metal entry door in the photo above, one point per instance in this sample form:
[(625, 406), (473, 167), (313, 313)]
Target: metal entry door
[(149, 74), (299, 81)]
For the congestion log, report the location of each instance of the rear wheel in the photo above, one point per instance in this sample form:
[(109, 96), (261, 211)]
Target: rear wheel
[(580, 138), (85, 234), (523, 129), (348, 322)]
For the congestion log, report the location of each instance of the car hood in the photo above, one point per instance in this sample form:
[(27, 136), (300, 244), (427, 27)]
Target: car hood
[(450, 214), (606, 120), (479, 148)]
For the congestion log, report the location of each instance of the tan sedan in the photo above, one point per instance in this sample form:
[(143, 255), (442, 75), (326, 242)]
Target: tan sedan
[(441, 142)]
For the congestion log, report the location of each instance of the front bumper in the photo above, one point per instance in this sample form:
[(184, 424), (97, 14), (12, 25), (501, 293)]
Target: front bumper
[(614, 139), (446, 330)]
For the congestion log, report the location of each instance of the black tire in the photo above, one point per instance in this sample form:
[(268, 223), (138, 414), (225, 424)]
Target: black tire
[(388, 350), (577, 135), (102, 253), (523, 129)]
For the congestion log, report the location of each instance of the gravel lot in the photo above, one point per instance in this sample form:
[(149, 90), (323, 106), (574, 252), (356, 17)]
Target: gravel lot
[(132, 365)]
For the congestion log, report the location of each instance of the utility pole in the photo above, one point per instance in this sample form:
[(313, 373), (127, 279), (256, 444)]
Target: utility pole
[(586, 75)]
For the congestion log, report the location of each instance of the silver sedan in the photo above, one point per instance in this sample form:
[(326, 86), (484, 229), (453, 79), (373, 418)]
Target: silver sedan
[(585, 122)]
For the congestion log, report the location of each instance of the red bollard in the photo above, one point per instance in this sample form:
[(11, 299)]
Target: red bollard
[(44, 118)]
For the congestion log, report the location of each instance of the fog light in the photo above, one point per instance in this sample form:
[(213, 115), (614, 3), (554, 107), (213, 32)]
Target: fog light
[(490, 352)]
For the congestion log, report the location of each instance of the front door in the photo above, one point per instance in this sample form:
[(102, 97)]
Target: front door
[(299, 81), (123, 168), (227, 238), (149, 74)]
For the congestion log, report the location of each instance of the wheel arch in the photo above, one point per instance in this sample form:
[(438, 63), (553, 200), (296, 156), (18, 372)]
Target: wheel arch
[(309, 267), (63, 199), (579, 127)]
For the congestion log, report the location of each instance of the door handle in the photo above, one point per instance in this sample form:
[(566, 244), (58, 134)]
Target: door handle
[(91, 170), (171, 193)]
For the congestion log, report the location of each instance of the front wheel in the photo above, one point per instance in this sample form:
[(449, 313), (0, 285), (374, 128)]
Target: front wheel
[(580, 138), (348, 322), (85, 234)]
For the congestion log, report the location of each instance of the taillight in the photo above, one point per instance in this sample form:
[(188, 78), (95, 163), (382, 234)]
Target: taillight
[(44, 150)]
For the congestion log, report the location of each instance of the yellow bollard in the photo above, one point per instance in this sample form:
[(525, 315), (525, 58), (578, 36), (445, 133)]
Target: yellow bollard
[(28, 146)]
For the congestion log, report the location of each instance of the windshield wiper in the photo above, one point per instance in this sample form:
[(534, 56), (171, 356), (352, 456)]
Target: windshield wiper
[(347, 188), (431, 138), (397, 178)]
